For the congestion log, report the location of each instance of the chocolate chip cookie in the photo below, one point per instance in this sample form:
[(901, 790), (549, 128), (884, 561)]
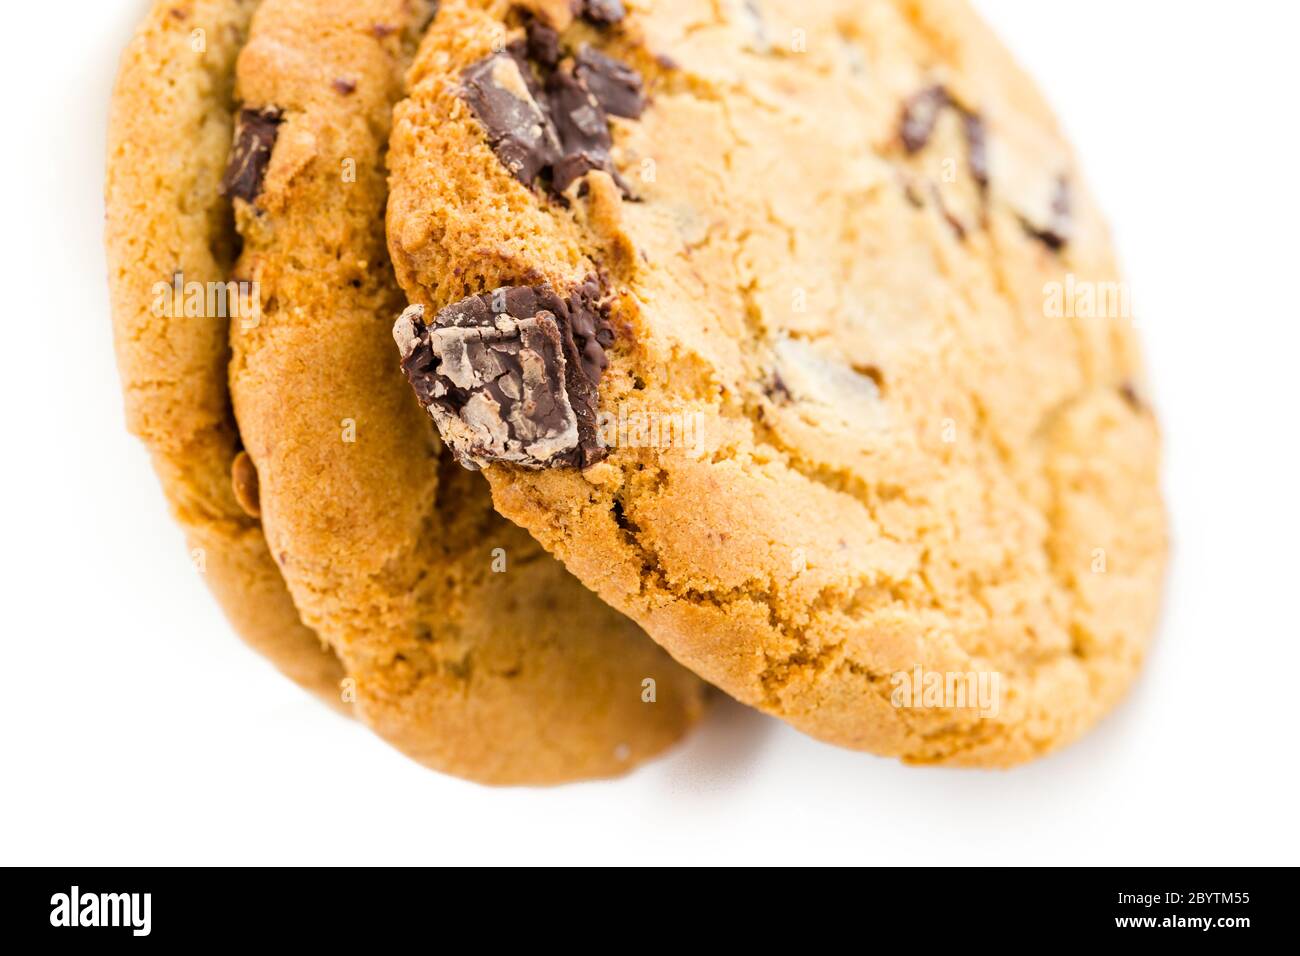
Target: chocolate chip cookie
[(464, 643), (170, 244), (794, 330)]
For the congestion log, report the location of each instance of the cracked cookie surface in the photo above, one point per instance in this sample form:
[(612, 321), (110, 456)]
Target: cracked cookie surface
[(468, 646), (831, 239)]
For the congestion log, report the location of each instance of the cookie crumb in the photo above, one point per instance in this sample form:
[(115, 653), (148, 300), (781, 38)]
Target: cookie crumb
[(243, 479), (603, 475)]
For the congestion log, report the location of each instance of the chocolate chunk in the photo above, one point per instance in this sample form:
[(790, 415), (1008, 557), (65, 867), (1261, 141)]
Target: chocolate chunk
[(1055, 233), (577, 114), (603, 12), (616, 86), (593, 336), (572, 168), (518, 51), (517, 125), (920, 114), (552, 122), (344, 87), (512, 375), (543, 44), (977, 148), (775, 389), (582, 127), (1128, 391), (255, 135)]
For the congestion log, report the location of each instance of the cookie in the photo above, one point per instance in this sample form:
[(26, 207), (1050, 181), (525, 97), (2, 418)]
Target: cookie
[(772, 321), (170, 239), (466, 645)]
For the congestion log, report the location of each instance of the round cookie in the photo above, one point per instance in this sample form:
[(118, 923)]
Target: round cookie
[(772, 320), (467, 646), (169, 137)]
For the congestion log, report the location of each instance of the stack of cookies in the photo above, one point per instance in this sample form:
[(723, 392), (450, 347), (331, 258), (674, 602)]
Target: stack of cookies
[(520, 370)]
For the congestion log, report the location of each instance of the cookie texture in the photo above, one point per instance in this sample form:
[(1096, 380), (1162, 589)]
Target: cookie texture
[(858, 427), (169, 232), (467, 646)]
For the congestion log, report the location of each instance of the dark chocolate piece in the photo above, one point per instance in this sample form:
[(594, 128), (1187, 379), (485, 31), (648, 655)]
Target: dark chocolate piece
[(920, 114), (577, 114), (775, 389), (977, 149), (543, 44), (255, 135), (550, 120), (518, 128), (512, 375), (572, 168), (582, 127), (603, 12), (616, 86)]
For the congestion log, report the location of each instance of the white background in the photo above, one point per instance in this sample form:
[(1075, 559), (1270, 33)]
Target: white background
[(135, 728)]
